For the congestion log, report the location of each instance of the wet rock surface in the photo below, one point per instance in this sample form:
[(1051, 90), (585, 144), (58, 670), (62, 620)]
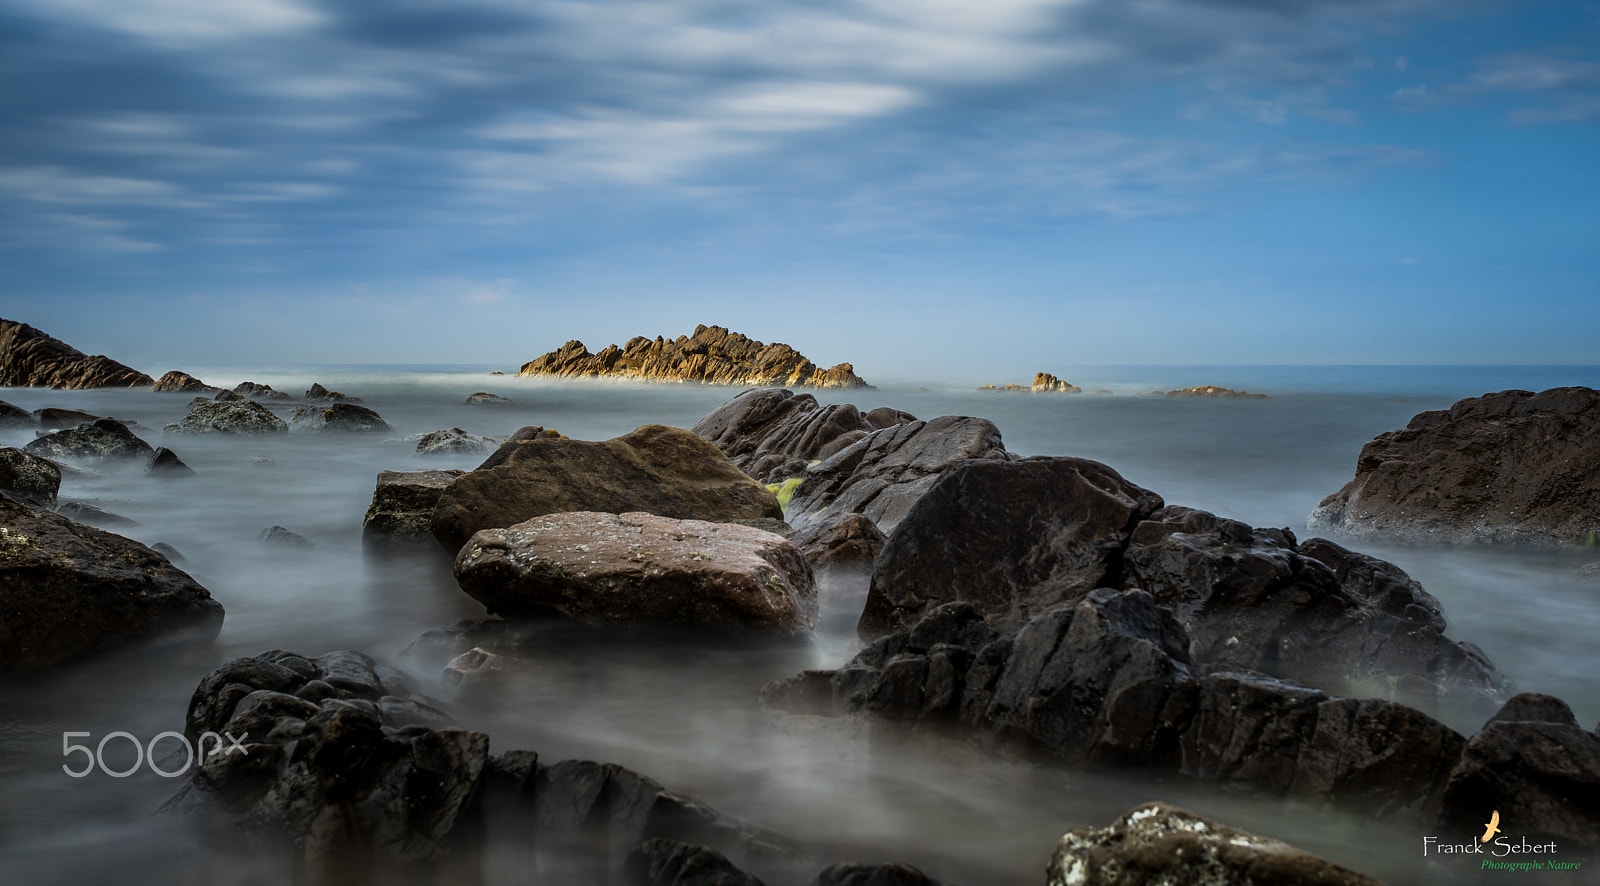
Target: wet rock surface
[(1512, 467), (655, 469), (31, 359), (104, 438), (32, 479), (642, 570), (848, 542), (773, 434), (402, 506), (243, 417), (340, 418), (67, 590), (1160, 843), (453, 441), (712, 355)]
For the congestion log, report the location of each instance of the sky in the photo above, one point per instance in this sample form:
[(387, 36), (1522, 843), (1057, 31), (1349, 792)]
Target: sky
[(935, 187)]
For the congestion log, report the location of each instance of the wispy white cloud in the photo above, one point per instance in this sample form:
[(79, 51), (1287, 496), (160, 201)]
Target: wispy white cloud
[(187, 22)]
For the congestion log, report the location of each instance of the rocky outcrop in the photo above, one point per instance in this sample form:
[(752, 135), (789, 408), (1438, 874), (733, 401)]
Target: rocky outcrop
[(340, 757), (31, 359), (712, 355), (847, 542), (104, 438), (67, 590), (453, 441), (484, 398), (1012, 388), (655, 469), (642, 570), (243, 417), (773, 434), (1160, 843), (12, 416), (259, 391), (30, 478), (319, 394), (1045, 383), (402, 506), (1215, 393), (340, 418), (1109, 681), (1506, 468), (176, 382)]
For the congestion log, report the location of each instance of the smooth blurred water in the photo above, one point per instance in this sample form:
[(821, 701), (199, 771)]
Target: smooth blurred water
[(688, 717)]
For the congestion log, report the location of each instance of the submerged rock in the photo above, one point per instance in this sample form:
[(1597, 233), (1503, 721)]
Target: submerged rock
[(642, 570), (166, 463), (67, 590), (242, 417), (259, 391), (33, 479), (12, 416), (31, 359), (1507, 468), (713, 355), (654, 469), (279, 537), (183, 383), (484, 398), (1159, 843), (104, 438), (402, 506), (337, 419)]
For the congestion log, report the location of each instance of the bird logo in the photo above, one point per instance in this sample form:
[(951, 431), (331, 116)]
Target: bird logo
[(1492, 828)]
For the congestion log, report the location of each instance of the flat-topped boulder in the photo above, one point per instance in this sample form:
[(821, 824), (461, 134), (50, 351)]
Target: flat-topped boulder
[(402, 505), (68, 590), (642, 570), (1513, 467), (654, 469), (712, 355), (31, 359), (243, 417)]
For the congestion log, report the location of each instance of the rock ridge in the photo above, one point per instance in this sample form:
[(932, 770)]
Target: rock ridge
[(712, 355)]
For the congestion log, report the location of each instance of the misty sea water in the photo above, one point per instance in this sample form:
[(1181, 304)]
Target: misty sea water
[(689, 717)]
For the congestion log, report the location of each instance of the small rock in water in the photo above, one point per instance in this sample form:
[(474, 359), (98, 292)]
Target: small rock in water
[(16, 417), (484, 398), (167, 464), (343, 417), (103, 438), (453, 441), (318, 393), (227, 397), (84, 512), (227, 417), (280, 537), (53, 419)]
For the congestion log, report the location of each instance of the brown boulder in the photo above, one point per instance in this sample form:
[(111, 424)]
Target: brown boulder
[(1160, 843), (1506, 468), (713, 355), (642, 570), (1045, 383), (67, 590), (655, 469), (183, 383), (31, 359)]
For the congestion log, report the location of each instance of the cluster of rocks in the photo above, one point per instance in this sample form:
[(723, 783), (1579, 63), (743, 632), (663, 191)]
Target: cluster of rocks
[(1043, 383), (1512, 467), (30, 358), (1213, 392), (712, 355)]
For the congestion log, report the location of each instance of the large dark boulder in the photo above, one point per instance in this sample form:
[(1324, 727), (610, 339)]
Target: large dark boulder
[(67, 590), (1011, 537), (1160, 843), (642, 570), (1538, 768), (33, 479), (31, 359), (402, 506), (104, 438), (340, 418), (655, 469), (1512, 468), (244, 417)]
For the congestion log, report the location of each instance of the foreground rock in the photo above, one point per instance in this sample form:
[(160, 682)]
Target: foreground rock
[(774, 434), (104, 438), (30, 478), (1015, 538), (176, 382), (31, 359), (1159, 843), (243, 417), (654, 469), (340, 418), (453, 441), (713, 355), (67, 590), (362, 775), (402, 506), (1213, 392), (1507, 468), (642, 570)]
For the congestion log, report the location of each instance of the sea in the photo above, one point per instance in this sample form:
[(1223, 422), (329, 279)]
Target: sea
[(688, 716)]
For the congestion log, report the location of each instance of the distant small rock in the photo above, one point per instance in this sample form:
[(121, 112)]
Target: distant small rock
[(227, 397), (1006, 389), (1215, 393), (319, 394), (453, 441), (340, 418), (170, 552), (176, 382), (234, 417), (484, 398)]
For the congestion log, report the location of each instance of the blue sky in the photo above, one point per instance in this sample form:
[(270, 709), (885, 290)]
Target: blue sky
[(918, 187)]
